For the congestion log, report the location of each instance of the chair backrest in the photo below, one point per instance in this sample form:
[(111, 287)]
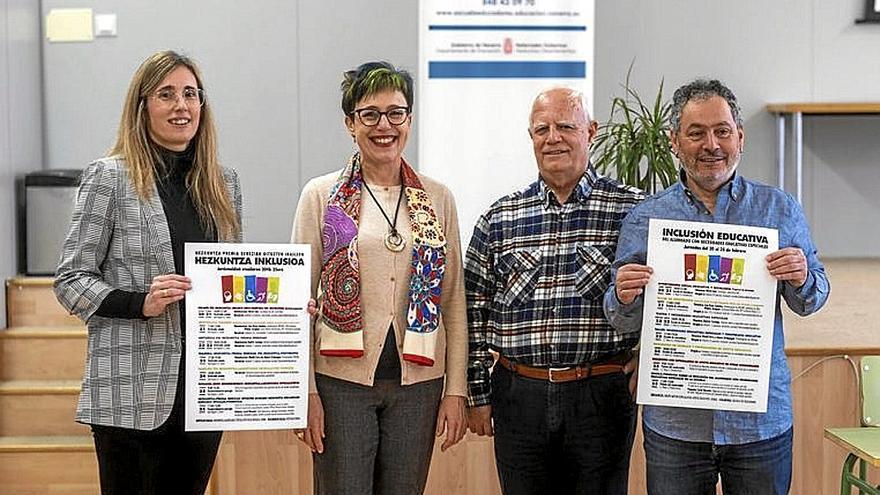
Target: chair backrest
[(870, 373)]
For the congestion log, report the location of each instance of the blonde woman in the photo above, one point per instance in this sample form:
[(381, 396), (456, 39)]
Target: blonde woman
[(121, 272)]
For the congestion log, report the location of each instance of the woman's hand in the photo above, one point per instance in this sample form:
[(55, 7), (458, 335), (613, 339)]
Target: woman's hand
[(313, 435), (452, 417), (164, 290)]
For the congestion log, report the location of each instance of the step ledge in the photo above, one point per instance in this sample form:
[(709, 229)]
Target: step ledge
[(30, 281), (54, 332), (46, 444), (40, 387)]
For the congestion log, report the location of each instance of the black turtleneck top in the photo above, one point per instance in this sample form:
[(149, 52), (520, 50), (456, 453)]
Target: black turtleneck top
[(183, 224)]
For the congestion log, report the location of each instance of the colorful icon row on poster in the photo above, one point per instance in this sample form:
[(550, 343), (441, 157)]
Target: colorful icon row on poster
[(713, 269), (250, 289)]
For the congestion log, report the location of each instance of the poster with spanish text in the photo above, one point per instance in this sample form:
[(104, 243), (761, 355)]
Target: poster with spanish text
[(707, 328)]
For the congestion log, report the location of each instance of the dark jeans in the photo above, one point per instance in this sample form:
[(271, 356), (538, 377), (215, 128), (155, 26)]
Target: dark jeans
[(379, 439), (692, 468), (562, 438), (164, 461)]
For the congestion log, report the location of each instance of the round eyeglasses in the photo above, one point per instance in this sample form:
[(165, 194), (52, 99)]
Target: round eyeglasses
[(192, 97), (370, 116)]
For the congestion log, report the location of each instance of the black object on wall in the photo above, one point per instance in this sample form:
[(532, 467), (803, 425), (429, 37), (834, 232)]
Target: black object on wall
[(44, 203), (872, 13)]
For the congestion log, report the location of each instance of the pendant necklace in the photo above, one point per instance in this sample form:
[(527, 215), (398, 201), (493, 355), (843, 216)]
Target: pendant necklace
[(393, 240)]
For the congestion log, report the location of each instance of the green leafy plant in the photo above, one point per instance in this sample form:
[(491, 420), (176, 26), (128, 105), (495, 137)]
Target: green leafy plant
[(634, 143)]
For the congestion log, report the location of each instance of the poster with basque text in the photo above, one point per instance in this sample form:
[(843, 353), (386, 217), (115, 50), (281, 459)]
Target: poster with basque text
[(481, 65), (707, 328), (247, 336)]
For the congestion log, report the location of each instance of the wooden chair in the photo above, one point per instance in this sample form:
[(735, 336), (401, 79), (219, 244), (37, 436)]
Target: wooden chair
[(862, 443)]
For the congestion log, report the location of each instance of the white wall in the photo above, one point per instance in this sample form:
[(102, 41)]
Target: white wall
[(248, 55), (273, 69), (334, 37), (767, 52), (21, 119)]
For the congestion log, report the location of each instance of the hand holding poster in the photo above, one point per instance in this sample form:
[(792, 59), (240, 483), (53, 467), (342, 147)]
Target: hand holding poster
[(707, 327), (247, 346)]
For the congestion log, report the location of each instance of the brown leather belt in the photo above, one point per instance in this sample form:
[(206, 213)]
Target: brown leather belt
[(568, 373)]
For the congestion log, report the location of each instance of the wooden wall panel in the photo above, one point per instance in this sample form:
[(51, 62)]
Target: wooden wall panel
[(273, 463), (53, 473), (827, 396)]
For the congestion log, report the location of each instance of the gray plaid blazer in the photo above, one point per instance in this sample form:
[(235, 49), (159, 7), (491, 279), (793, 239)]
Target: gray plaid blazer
[(117, 241)]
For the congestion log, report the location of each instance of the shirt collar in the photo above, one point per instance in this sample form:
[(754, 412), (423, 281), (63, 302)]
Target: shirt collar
[(580, 193), (734, 187)]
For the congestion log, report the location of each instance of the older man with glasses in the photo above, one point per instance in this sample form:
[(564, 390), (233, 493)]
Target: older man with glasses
[(557, 399)]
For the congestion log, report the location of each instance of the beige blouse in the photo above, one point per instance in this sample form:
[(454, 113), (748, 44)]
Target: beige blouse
[(385, 279)]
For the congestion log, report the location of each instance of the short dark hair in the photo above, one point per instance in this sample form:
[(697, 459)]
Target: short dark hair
[(371, 78), (702, 89)]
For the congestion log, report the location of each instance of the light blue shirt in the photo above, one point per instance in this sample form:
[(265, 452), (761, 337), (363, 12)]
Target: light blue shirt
[(740, 202)]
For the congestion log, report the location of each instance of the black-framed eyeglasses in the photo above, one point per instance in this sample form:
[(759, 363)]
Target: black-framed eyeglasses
[(370, 116), (192, 97)]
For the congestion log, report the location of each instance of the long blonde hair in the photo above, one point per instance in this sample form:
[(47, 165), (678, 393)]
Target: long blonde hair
[(133, 143)]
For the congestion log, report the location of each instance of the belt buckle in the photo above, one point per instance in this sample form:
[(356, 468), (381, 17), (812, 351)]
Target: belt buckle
[(552, 369)]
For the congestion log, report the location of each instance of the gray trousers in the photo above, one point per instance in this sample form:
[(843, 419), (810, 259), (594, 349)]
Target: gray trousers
[(379, 439)]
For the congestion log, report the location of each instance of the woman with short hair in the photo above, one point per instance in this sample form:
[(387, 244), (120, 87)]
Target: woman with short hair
[(390, 333)]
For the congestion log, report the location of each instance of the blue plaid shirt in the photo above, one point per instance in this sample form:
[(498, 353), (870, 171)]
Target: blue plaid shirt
[(535, 274), (741, 202)]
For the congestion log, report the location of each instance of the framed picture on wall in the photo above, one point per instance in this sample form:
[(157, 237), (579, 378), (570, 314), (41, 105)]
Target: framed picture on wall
[(872, 12)]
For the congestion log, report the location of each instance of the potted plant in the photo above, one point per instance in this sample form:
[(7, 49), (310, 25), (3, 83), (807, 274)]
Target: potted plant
[(635, 141)]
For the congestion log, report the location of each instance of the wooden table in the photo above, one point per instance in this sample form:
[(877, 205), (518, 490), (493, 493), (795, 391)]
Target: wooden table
[(863, 444), (797, 111), (864, 441)]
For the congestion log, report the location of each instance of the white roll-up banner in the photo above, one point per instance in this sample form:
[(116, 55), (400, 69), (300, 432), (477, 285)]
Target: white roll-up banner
[(481, 64)]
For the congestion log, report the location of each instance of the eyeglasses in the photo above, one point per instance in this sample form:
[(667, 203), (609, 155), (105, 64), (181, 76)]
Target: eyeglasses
[(542, 129), (370, 116), (192, 97)]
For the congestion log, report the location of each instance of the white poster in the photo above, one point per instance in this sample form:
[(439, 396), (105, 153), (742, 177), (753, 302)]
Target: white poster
[(481, 64), (247, 345), (707, 332)]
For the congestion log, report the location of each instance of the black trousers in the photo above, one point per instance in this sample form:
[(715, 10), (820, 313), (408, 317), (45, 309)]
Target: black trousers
[(164, 461), (569, 438)]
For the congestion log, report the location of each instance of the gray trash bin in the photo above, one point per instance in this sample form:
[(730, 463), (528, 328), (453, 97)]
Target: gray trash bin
[(45, 205)]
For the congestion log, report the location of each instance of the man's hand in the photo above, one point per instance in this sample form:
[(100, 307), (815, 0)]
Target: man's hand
[(164, 290), (480, 420), (313, 435), (631, 280), (788, 264), (453, 419)]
